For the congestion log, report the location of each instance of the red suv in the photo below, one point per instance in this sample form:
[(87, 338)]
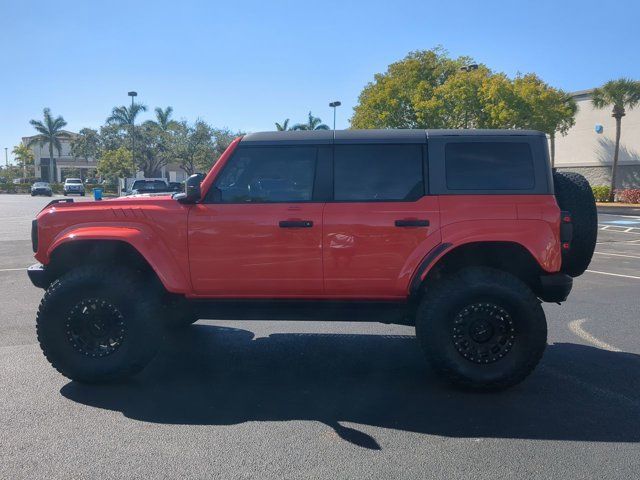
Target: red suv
[(460, 233)]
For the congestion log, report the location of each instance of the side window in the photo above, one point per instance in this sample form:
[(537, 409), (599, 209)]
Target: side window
[(268, 174), (489, 166), (378, 173)]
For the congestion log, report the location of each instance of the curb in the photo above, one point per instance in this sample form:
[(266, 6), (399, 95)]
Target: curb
[(619, 210)]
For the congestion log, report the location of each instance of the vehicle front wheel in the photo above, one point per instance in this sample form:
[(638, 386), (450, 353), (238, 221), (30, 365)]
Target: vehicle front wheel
[(99, 324), (481, 329), (178, 313)]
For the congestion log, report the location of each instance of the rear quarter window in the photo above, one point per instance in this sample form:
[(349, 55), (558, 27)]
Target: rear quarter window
[(489, 166)]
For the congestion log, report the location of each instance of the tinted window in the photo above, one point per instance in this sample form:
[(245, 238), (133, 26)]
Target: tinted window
[(489, 166), (378, 172), (268, 174)]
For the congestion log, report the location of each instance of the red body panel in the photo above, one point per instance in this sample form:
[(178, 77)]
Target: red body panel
[(353, 250), (532, 221), (366, 255), (239, 250), (155, 226)]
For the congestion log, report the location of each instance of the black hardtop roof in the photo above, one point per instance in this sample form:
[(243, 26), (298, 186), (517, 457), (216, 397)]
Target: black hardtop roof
[(371, 136)]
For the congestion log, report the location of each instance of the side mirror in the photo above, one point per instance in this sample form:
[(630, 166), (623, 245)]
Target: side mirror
[(192, 189)]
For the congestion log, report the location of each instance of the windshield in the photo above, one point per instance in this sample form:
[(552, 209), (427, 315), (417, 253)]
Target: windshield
[(73, 180), (41, 184), (149, 185)]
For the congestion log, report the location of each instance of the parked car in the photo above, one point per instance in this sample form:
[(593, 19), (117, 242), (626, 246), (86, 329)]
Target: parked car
[(461, 233), (41, 188), (73, 185), (149, 186)]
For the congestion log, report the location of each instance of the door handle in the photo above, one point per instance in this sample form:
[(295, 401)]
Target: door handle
[(412, 223), (296, 224)]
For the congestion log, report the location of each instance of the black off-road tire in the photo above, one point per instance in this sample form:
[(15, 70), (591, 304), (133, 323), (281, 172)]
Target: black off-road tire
[(574, 195), (116, 291), (447, 308)]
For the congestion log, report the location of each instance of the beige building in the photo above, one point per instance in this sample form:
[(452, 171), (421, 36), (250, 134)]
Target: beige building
[(64, 165), (588, 147)]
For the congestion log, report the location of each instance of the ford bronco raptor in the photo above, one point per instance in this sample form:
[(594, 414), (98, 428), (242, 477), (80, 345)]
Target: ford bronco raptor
[(462, 233)]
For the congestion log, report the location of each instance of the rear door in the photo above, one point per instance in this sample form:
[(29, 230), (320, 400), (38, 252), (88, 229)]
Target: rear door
[(259, 231), (380, 223)]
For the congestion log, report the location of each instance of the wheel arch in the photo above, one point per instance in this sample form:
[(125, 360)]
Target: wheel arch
[(509, 256), (123, 246)]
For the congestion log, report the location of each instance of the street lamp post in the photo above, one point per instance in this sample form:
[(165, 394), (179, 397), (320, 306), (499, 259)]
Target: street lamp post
[(334, 105), (6, 157), (133, 134)]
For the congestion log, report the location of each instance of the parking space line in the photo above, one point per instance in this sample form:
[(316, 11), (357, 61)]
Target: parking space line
[(613, 274), (12, 269), (616, 255), (576, 327)]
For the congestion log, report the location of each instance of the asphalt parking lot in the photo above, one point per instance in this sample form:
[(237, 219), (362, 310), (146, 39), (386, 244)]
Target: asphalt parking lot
[(327, 400)]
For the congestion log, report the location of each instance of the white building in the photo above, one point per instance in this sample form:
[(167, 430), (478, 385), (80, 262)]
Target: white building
[(588, 147)]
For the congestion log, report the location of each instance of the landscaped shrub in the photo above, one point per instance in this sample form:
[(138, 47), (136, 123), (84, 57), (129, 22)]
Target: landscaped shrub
[(601, 192), (630, 195), (15, 188)]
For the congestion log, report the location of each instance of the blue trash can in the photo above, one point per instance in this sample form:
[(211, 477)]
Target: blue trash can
[(97, 194)]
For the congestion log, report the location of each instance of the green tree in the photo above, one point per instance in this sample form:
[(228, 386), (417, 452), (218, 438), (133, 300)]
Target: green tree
[(621, 95), (86, 144), (282, 127), (24, 157), (49, 133), (313, 123), (544, 108), (395, 98), (193, 145), (116, 164)]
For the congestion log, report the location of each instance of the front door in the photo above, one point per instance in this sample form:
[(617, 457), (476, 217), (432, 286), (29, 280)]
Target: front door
[(258, 233)]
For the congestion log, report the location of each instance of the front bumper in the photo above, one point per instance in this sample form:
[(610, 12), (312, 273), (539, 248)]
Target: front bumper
[(555, 287), (38, 275)]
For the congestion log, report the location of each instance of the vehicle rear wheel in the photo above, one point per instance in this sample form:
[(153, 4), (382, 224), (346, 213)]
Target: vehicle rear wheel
[(481, 329), (98, 324), (574, 195)]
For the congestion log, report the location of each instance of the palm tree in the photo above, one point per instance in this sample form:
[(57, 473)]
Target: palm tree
[(314, 123), (283, 127), (49, 133), (621, 94), (163, 119), (126, 117)]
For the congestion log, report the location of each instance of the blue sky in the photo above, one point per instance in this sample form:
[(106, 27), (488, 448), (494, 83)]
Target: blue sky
[(250, 64)]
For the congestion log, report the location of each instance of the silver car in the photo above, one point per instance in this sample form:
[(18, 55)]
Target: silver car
[(73, 185)]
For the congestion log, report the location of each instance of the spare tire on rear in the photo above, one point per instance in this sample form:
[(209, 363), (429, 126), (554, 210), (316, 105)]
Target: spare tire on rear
[(575, 196)]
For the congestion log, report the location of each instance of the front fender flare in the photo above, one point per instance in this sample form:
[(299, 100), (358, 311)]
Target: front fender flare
[(152, 249)]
